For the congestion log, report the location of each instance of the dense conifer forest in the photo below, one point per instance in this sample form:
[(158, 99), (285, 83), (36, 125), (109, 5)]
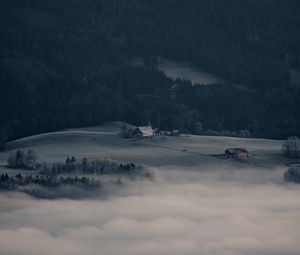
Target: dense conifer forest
[(68, 64)]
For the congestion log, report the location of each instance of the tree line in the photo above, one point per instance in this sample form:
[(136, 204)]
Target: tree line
[(66, 64)]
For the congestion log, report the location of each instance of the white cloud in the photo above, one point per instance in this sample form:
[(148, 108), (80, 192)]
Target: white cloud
[(184, 212)]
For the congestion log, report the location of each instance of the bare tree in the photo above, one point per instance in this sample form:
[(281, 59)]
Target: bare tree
[(126, 131), (31, 160), (19, 159), (291, 147)]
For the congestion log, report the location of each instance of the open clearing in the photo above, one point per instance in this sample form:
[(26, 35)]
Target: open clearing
[(185, 150)]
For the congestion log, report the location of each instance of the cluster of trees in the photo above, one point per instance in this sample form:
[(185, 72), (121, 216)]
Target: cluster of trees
[(272, 114), (53, 187), (292, 175), (29, 161), (99, 167), (15, 182), (242, 133), (21, 159), (67, 64)]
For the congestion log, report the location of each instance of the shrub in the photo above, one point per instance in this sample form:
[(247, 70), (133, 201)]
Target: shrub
[(291, 147)]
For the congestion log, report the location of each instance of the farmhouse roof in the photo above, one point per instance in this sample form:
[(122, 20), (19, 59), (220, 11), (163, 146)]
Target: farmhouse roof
[(146, 129), (236, 150)]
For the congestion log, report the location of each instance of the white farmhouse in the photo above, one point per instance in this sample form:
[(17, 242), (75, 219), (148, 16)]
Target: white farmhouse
[(145, 131)]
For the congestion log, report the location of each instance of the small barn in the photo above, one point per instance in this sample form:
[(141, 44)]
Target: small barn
[(236, 153), (146, 131)]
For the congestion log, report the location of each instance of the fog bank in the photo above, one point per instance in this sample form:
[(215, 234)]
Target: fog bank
[(184, 211)]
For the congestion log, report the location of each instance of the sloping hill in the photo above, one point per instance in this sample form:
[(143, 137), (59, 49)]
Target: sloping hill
[(184, 150)]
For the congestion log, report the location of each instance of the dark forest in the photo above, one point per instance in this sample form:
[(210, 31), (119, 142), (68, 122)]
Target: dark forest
[(68, 64)]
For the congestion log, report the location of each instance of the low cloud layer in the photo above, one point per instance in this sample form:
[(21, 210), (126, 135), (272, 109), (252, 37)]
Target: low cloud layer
[(182, 212)]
